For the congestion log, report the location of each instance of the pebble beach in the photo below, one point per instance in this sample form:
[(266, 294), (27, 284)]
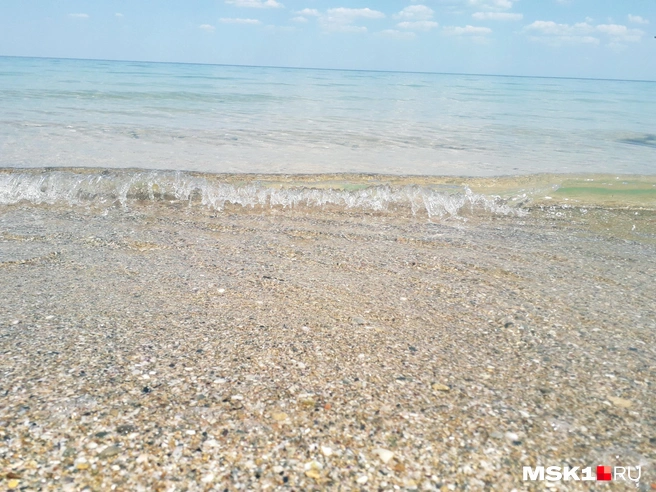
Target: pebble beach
[(175, 348)]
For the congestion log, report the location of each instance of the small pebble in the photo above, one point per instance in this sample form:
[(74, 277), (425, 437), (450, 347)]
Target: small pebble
[(109, 451), (440, 387), (410, 484), (620, 402), (313, 465), (125, 429), (511, 436), (385, 455)]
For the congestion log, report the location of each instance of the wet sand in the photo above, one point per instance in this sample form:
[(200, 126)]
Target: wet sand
[(173, 348)]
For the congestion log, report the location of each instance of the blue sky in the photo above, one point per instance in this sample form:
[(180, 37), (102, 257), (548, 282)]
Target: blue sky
[(575, 38)]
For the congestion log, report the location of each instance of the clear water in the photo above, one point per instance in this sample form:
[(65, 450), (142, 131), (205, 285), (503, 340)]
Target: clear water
[(226, 119)]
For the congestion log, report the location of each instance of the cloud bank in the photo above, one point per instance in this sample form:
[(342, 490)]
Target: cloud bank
[(256, 4), (229, 20), (581, 32), (497, 16)]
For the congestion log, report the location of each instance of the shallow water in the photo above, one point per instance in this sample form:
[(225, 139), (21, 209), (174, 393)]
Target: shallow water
[(226, 119), (178, 324)]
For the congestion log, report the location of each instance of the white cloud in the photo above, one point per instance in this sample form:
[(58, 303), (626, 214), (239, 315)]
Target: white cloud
[(492, 4), (309, 13), (553, 29), (302, 15), (636, 19), (621, 34), (350, 15), (394, 34), (500, 16), (613, 29), (207, 27), (418, 25), (582, 32), (79, 16), (555, 34), (415, 13), (416, 18), (558, 41), (118, 14), (341, 19), (467, 31), (255, 4), (227, 20), (342, 27)]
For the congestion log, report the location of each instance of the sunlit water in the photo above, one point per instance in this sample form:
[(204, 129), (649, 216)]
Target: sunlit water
[(226, 119)]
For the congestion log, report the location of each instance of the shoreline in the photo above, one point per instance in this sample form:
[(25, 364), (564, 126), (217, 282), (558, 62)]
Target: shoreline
[(403, 178), (533, 190)]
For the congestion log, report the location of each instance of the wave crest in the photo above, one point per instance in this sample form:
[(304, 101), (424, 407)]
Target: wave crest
[(110, 188)]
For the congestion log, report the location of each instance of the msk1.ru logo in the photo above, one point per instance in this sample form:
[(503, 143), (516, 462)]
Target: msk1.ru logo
[(604, 473)]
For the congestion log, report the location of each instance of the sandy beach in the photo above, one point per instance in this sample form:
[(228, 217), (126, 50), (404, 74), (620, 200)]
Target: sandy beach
[(168, 347)]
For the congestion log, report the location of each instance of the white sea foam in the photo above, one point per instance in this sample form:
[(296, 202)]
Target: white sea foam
[(124, 188)]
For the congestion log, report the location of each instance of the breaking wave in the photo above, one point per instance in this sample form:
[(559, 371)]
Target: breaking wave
[(114, 187)]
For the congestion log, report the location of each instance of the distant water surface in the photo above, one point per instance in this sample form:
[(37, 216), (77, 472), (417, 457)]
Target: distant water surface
[(227, 119)]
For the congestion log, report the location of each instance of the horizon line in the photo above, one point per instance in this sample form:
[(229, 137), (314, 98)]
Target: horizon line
[(417, 72)]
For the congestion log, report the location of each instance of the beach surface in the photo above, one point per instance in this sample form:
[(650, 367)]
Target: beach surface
[(258, 278), (163, 346)]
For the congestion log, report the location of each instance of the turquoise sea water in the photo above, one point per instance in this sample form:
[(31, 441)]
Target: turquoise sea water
[(218, 119)]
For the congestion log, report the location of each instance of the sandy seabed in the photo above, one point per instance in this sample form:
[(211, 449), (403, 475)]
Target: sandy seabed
[(165, 348)]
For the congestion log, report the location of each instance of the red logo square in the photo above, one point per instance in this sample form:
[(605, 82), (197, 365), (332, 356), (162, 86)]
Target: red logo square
[(604, 473)]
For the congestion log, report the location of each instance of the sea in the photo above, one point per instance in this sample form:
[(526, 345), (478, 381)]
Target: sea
[(108, 131)]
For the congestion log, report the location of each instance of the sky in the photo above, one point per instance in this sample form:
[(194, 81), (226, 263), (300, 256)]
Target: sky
[(558, 38)]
